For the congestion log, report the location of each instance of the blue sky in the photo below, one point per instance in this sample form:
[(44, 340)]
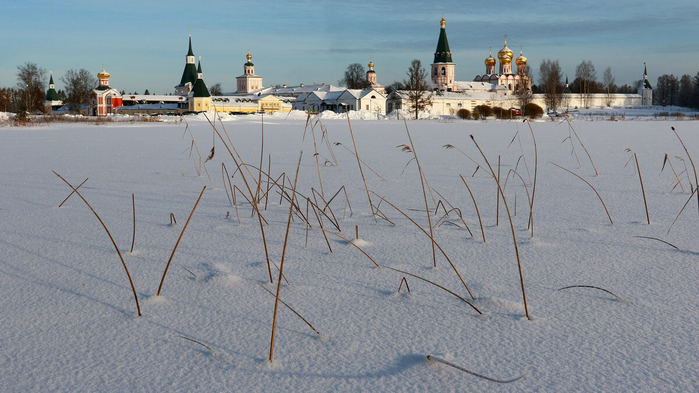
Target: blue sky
[(143, 43)]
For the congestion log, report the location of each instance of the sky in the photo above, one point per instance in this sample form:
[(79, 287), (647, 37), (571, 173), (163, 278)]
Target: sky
[(143, 44)]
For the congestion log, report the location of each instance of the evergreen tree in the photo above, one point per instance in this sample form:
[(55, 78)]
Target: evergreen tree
[(686, 90), (146, 93)]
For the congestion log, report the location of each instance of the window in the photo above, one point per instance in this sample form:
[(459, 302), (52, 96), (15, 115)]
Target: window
[(444, 71)]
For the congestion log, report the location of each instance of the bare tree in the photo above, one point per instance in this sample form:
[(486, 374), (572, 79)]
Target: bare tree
[(355, 77), (78, 84), (216, 90), (417, 87), (586, 77), (523, 93), (31, 82), (608, 84), (551, 74)]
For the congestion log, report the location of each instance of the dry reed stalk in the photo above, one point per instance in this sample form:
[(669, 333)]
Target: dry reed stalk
[(681, 210), (478, 213), (526, 189), (694, 168), (262, 151), (359, 164), (201, 162), (536, 171), (521, 150), (162, 280), (292, 310), (197, 342), (438, 286), (189, 271), (434, 242), (436, 359), (172, 219), (404, 280), (512, 226), (593, 287), (685, 171), (666, 160), (320, 223), (238, 161), (583, 146), (72, 192), (281, 264), (269, 172), (128, 275), (660, 240), (326, 206), (347, 202), (593, 189), (351, 243), (424, 194), (133, 204), (316, 154), (457, 210), (643, 190), (497, 198), (224, 176), (449, 146), (362, 161)]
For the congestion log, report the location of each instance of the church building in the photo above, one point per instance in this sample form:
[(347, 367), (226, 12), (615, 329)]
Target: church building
[(103, 98)]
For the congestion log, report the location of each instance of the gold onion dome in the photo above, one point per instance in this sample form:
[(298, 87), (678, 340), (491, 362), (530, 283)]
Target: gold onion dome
[(521, 60), (371, 64), (103, 74), (490, 61), (249, 57), (505, 55)]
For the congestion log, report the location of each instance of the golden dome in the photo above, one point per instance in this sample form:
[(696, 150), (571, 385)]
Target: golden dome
[(521, 60), (505, 55), (443, 23), (371, 64), (490, 61), (249, 56), (103, 74)]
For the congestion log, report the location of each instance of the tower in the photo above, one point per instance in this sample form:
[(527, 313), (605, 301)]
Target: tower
[(52, 98), (189, 75), (490, 64), (443, 68), (646, 90), (371, 74), (200, 99), (248, 82)]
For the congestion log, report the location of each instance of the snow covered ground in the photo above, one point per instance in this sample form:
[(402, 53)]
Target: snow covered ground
[(68, 318)]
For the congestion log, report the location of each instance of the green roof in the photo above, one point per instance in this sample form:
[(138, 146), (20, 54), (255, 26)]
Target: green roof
[(443, 53), (200, 89), (51, 94), (190, 70), (646, 84)]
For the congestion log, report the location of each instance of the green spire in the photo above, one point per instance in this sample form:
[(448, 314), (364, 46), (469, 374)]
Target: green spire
[(200, 89), (567, 88), (646, 84), (189, 75), (51, 94), (443, 53)]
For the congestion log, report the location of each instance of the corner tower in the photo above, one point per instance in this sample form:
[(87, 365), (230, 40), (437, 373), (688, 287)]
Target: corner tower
[(189, 75), (443, 68), (646, 90), (200, 99), (52, 98)]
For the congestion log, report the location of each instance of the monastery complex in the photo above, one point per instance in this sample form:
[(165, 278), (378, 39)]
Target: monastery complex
[(500, 85)]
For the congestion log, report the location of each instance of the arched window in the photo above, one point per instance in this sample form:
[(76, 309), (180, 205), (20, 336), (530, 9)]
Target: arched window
[(444, 71)]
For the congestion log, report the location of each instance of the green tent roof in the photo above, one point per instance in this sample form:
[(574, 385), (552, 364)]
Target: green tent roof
[(200, 89), (190, 71), (443, 53), (51, 94)]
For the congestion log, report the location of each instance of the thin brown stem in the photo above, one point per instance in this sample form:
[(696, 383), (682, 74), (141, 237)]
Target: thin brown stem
[(162, 280), (72, 192), (133, 204), (593, 189), (478, 213), (133, 288), (643, 190)]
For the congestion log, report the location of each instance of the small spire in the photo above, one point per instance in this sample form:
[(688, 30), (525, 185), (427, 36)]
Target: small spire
[(505, 39), (443, 22)]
